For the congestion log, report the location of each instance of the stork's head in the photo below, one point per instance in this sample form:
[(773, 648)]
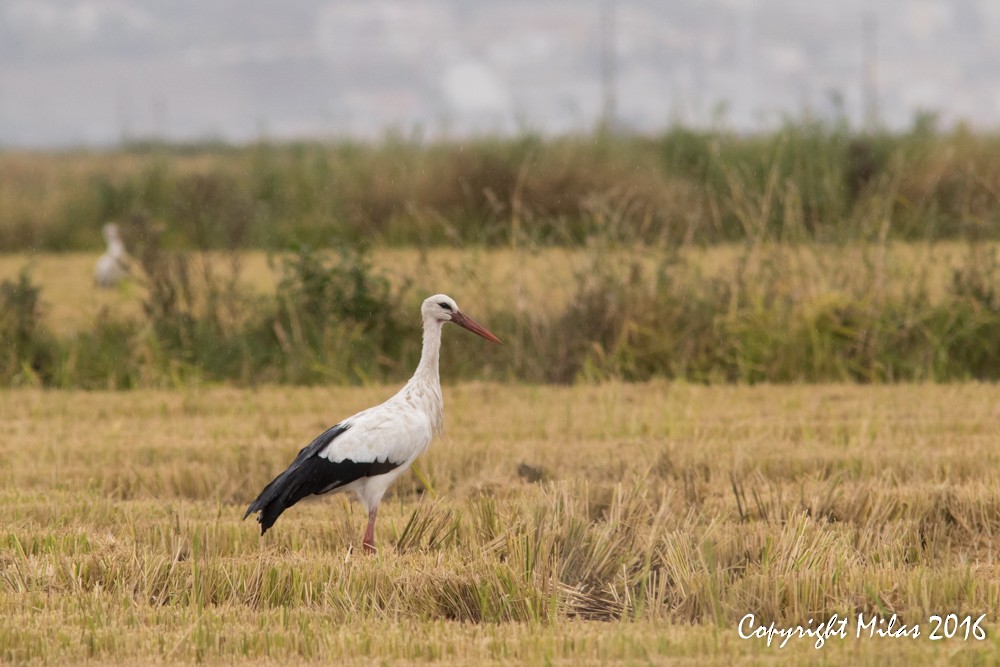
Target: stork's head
[(110, 232), (442, 308)]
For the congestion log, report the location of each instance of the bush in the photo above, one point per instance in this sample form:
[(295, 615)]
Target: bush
[(27, 350), (773, 312), (107, 356), (338, 319)]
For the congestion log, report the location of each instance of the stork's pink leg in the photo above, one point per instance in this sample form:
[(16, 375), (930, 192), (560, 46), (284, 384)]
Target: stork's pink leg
[(369, 541)]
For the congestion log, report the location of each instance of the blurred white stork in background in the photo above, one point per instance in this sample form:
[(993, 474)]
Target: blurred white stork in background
[(112, 267), (367, 452)]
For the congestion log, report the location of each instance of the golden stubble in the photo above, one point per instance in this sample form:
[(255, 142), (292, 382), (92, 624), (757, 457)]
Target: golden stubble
[(551, 515)]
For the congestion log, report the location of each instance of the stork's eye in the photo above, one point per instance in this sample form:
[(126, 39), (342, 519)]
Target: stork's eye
[(445, 306)]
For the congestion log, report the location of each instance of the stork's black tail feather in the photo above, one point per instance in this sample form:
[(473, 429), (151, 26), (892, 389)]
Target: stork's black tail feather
[(292, 485), (303, 478), (308, 475)]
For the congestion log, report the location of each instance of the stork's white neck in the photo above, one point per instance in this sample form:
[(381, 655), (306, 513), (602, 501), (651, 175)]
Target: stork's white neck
[(427, 369), (423, 391), (115, 247)]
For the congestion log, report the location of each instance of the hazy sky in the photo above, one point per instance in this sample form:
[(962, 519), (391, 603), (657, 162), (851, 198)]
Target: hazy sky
[(97, 71)]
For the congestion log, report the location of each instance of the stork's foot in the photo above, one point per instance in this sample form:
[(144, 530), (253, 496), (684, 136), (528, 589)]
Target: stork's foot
[(370, 548)]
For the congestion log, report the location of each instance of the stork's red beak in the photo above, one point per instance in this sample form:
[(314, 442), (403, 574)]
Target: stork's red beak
[(473, 326)]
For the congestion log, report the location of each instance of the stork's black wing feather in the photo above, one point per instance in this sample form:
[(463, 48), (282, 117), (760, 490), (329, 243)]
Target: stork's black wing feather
[(308, 475)]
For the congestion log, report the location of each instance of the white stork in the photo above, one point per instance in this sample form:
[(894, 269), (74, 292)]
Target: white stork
[(112, 267), (365, 453)]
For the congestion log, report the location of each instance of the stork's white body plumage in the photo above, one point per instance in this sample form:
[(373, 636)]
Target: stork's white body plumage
[(112, 267), (397, 431), (368, 451)]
